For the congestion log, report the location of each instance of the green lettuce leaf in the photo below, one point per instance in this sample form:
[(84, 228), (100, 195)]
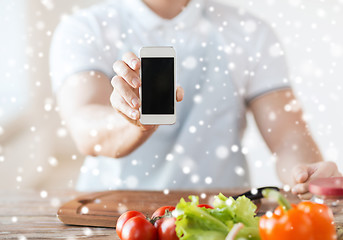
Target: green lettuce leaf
[(194, 223)]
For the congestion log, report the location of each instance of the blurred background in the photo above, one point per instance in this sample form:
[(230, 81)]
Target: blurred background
[(35, 148)]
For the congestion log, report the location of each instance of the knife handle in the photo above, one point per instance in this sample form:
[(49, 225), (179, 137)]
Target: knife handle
[(255, 195)]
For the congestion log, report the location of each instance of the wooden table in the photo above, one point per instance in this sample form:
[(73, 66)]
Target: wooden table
[(27, 214)]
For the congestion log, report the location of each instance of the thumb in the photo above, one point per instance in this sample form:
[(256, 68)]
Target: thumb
[(179, 94), (300, 173)]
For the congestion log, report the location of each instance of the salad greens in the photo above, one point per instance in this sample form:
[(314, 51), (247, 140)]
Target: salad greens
[(195, 223)]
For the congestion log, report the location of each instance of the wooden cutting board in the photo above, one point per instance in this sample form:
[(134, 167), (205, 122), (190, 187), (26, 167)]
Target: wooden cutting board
[(102, 209)]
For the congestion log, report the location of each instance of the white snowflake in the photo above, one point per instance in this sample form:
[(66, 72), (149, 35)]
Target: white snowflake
[(269, 214), (97, 148), (49, 4), (39, 169), (48, 104), (245, 150), (93, 133), (19, 179), (197, 98), (190, 62), (239, 171), (179, 149), (134, 162), (208, 180), (53, 161), (186, 170), (286, 188), (131, 182), (192, 129), (222, 152), (195, 178), (84, 210), (166, 191), (62, 132), (43, 194), (83, 169), (258, 163), (22, 237), (14, 219), (169, 157), (287, 108), (232, 66), (87, 231), (254, 191), (234, 148)]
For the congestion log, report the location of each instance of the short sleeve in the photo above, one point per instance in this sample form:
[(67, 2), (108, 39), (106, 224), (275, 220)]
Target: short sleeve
[(267, 64), (76, 46)]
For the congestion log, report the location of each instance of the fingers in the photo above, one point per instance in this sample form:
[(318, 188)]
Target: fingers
[(179, 94), (125, 91), (325, 169), (127, 73), (301, 190), (300, 173), (123, 107), (303, 174), (305, 196), (132, 60), (125, 96)]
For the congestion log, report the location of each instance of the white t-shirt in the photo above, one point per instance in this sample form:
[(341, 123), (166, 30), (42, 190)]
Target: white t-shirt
[(226, 58)]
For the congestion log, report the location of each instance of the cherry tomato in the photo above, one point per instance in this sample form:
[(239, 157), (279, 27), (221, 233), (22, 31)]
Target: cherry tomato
[(124, 218), (166, 229), (162, 210), (159, 213), (205, 206), (138, 228)]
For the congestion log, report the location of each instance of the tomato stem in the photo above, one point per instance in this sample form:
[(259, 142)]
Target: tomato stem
[(277, 196), (155, 219)]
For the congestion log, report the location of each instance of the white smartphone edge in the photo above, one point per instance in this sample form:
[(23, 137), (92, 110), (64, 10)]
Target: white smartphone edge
[(158, 119)]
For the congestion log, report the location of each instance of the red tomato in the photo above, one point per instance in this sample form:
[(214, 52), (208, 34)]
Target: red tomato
[(138, 228), (124, 218), (205, 206), (161, 211), (166, 230)]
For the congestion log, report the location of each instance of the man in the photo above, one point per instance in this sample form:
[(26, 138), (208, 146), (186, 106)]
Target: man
[(229, 61)]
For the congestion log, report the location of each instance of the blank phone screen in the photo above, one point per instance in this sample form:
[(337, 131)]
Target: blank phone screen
[(157, 85)]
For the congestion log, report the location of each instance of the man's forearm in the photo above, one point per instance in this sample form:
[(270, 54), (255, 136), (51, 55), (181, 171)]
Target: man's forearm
[(100, 130), (297, 149)]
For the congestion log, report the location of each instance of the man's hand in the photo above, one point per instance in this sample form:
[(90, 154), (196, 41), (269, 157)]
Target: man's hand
[(125, 96), (303, 174)]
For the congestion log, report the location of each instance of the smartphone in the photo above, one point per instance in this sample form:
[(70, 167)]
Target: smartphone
[(158, 88)]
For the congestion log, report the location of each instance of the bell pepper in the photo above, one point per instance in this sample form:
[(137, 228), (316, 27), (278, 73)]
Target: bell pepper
[(305, 221)]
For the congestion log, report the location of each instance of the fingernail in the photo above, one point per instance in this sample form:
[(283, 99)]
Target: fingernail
[(294, 190), (135, 102), (135, 82), (302, 177), (134, 63), (134, 114)]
